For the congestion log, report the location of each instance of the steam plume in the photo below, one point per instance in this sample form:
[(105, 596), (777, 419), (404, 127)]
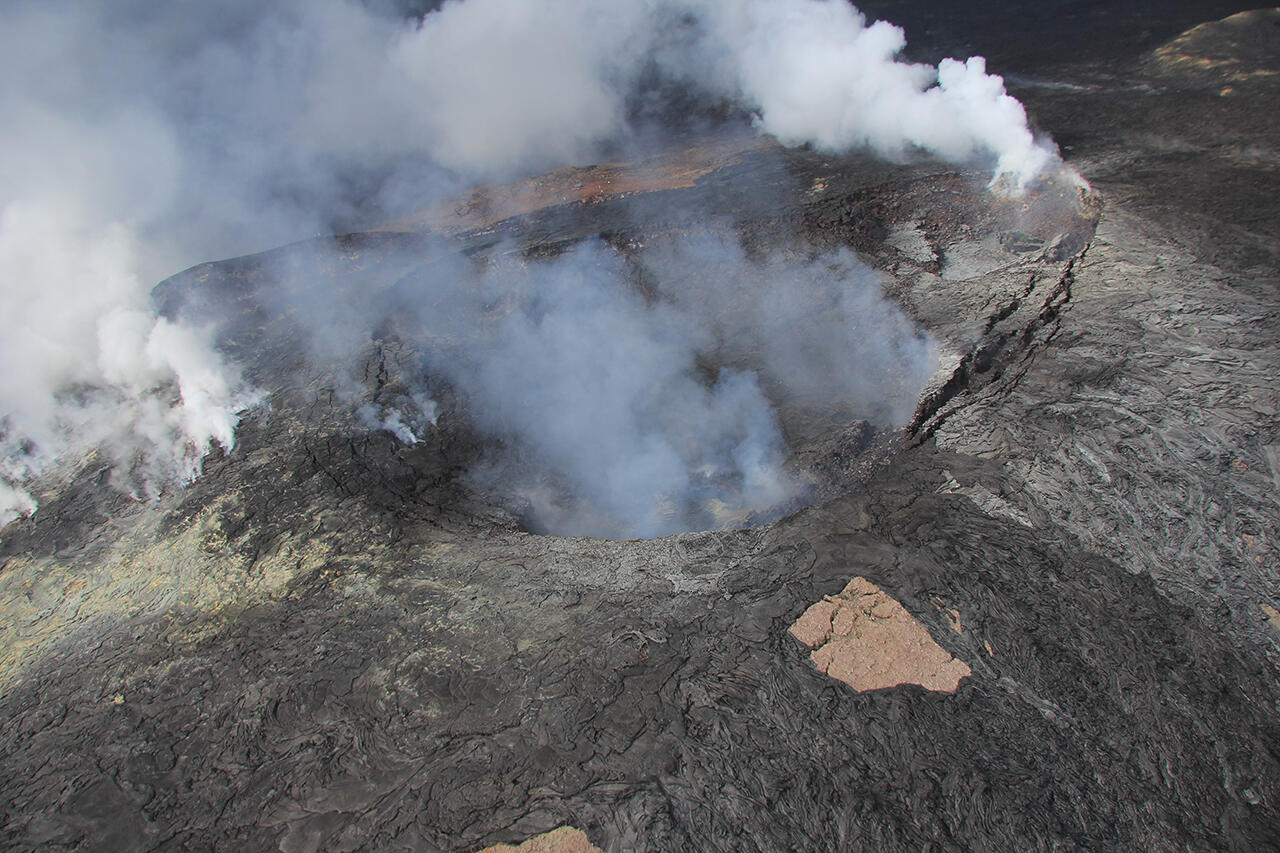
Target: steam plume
[(138, 138), (816, 72)]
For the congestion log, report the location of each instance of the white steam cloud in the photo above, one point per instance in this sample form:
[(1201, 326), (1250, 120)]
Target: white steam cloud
[(816, 72), (621, 412), (137, 138), (820, 332), (600, 389)]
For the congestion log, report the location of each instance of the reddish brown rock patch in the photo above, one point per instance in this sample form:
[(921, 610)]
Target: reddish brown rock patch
[(566, 839), (869, 641), (487, 205)]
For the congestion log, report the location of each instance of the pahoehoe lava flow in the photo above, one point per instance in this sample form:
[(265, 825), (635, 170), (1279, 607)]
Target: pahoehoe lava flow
[(1057, 479)]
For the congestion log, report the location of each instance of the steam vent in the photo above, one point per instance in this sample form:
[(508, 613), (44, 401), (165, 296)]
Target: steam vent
[(699, 425)]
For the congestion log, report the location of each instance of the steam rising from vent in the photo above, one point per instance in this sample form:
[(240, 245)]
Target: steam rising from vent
[(812, 71), (601, 390), (137, 139), (620, 410), (87, 365), (816, 72)]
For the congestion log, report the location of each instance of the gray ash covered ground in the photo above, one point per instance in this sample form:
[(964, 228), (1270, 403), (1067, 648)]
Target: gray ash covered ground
[(330, 642)]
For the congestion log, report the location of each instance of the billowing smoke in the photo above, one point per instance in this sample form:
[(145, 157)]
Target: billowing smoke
[(137, 138)]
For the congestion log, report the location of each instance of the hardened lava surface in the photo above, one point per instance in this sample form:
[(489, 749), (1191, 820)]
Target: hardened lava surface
[(329, 642)]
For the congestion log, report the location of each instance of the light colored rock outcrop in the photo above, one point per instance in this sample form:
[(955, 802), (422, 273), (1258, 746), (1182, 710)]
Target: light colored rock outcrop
[(566, 839), (869, 641)]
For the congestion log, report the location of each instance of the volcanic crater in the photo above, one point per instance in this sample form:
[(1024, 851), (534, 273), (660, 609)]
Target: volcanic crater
[(971, 276), (342, 637)]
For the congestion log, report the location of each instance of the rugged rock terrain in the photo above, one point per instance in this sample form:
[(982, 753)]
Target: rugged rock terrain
[(332, 642)]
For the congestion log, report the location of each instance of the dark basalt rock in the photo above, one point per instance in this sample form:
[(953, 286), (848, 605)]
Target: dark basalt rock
[(331, 642)]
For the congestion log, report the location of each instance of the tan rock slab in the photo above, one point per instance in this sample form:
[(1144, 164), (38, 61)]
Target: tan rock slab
[(566, 839), (813, 628), (868, 640)]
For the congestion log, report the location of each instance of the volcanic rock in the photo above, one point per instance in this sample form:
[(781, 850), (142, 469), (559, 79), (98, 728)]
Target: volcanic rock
[(1223, 55), (333, 641)]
